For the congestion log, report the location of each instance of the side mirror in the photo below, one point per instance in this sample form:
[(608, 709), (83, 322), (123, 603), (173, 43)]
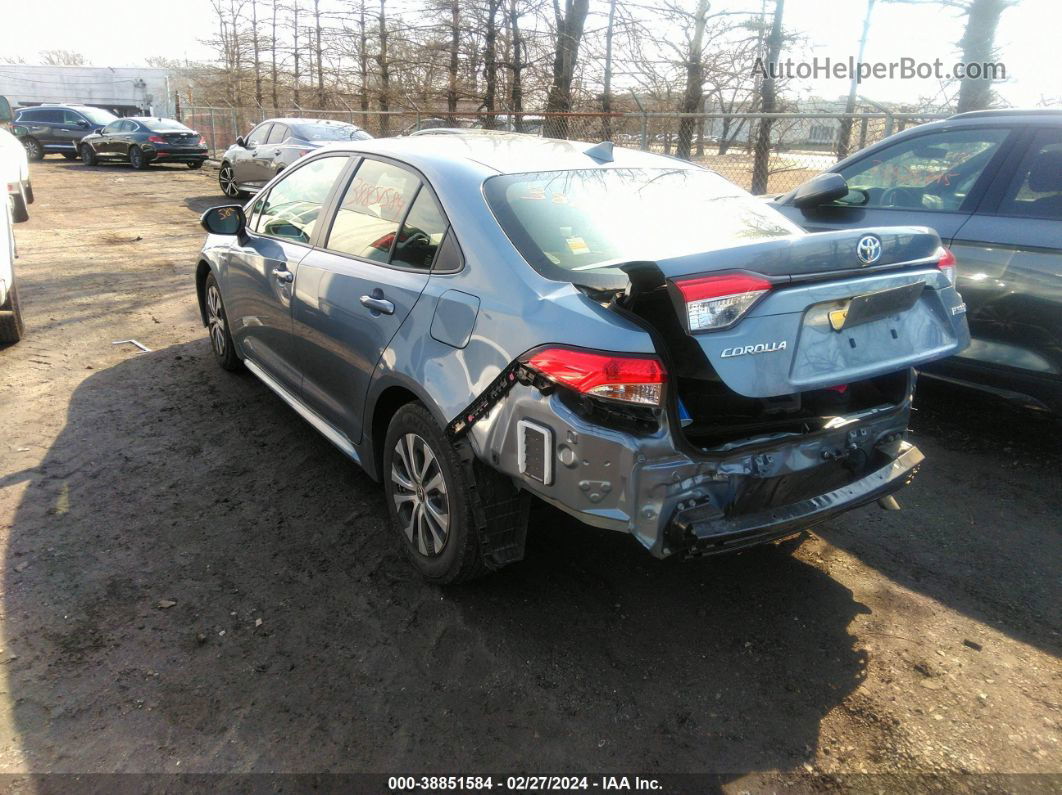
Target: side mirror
[(241, 141), (98, 131), (226, 220), (83, 124), (823, 189)]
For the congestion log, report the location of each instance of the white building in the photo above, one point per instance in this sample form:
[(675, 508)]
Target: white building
[(124, 90)]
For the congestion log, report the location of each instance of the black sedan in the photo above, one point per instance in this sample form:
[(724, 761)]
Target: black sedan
[(274, 145), (143, 140)]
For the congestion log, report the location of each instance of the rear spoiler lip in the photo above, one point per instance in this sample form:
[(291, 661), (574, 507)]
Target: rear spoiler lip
[(799, 257)]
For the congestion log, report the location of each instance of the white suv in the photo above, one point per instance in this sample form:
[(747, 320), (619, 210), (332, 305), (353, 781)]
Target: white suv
[(11, 327)]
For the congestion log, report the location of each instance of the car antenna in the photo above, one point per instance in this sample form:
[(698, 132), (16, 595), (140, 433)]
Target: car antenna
[(601, 152)]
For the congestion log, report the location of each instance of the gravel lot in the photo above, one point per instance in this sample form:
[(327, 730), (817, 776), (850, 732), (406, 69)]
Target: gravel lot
[(195, 581)]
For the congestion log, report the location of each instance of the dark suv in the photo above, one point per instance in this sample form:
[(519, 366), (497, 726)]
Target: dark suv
[(990, 184), (58, 128)]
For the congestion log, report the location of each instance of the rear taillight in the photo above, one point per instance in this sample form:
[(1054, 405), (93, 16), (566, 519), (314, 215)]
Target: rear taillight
[(156, 139), (715, 302), (946, 263), (632, 379)]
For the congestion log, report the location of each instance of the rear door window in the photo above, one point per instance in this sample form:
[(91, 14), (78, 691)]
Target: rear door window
[(1035, 191), (292, 208), (935, 171), (372, 209), (422, 233)]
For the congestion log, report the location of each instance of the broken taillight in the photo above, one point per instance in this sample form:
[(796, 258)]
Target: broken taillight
[(946, 263), (719, 301), (631, 379)]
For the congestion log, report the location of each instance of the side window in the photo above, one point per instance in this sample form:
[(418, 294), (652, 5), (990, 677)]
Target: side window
[(72, 118), (935, 171), (129, 126), (294, 204), (259, 134), (1035, 191), (372, 208), (278, 134), (113, 127), (51, 116), (422, 233)]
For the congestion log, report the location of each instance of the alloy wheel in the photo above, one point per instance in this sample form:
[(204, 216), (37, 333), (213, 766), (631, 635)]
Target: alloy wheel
[(420, 495), (228, 182), (216, 319), (33, 149)]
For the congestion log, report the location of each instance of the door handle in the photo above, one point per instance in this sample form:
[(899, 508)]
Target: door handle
[(381, 305), (284, 276)]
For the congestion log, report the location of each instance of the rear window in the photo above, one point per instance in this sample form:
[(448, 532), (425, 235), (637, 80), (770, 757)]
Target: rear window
[(568, 221), (330, 132), (164, 125)]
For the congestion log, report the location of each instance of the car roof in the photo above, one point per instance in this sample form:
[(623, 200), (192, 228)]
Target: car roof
[(1018, 113), (291, 121), (506, 153)]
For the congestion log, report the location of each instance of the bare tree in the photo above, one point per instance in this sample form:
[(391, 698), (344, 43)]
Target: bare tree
[(62, 58), (762, 151), (569, 35), (384, 72)]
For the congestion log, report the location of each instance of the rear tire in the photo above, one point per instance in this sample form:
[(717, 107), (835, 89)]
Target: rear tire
[(428, 499), (34, 150), (137, 158), (218, 326), (19, 208), (11, 326), (195, 164), (88, 155)]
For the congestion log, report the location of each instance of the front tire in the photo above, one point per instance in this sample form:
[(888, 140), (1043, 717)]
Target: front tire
[(11, 326), (195, 164), (88, 155), (218, 326), (70, 155), (429, 499), (34, 150), (137, 158), (227, 181)]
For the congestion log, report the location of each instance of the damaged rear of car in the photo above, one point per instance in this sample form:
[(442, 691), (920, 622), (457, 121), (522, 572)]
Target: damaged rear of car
[(478, 318), (781, 384)]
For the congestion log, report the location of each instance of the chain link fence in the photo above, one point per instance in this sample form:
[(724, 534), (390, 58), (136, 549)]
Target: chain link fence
[(802, 144)]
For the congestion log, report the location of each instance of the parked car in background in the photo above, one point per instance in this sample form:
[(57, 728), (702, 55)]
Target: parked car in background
[(144, 140), (14, 170), (58, 128), (632, 338), (274, 145), (436, 123), (11, 325), (990, 183)]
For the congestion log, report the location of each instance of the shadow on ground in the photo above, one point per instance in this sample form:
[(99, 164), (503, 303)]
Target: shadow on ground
[(195, 576)]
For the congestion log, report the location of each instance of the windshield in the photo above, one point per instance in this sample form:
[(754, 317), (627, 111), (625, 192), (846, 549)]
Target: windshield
[(566, 221), (97, 116), (330, 132)]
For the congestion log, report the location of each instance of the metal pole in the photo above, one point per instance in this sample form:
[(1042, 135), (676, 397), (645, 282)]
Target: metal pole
[(213, 135), (645, 122)]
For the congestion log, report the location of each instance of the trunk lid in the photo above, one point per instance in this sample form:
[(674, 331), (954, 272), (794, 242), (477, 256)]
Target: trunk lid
[(822, 316)]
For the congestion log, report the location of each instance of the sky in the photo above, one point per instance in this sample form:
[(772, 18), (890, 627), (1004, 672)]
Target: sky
[(831, 28)]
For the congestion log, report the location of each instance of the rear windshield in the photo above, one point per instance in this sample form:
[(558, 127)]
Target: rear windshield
[(568, 221), (164, 125), (330, 132)]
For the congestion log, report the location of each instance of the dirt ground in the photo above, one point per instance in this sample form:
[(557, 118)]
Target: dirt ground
[(921, 641)]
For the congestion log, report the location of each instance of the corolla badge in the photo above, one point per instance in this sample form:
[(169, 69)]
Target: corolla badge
[(760, 347), (868, 249)]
